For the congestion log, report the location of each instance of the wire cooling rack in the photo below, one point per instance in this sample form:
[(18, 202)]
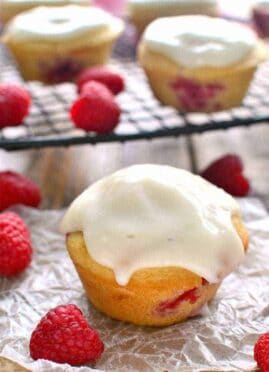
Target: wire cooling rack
[(143, 116)]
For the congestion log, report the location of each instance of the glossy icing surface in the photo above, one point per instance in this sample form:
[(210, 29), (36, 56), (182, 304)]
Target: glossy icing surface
[(149, 216)]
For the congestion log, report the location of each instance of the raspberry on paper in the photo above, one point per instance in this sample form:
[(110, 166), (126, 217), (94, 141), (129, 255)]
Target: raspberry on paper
[(64, 336), (261, 352), (15, 244), (227, 173), (17, 189)]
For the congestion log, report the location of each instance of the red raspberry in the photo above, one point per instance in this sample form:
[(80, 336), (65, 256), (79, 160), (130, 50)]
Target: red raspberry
[(15, 245), (113, 81), (261, 352), (15, 103), (17, 189), (64, 336), (96, 109), (15, 221), (227, 173)]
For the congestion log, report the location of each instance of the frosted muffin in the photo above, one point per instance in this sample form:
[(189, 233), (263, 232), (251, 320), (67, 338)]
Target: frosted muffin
[(204, 64), (10, 8), (53, 44), (142, 12), (151, 244)]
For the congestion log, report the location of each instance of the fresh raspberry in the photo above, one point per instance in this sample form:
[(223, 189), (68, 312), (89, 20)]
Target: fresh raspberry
[(112, 80), (15, 245), (96, 109), (15, 221), (261, 352), (227, 173), (15, 103), (64, 336), (17, 189)]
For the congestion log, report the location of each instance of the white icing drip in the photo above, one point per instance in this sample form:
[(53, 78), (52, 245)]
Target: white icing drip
[(200, 41), (61, 22), (149, 216)]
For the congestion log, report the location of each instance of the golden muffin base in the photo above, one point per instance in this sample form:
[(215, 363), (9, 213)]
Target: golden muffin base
[(9, 11), (143, 300), (141, 17), (37, 59), (205, 89)]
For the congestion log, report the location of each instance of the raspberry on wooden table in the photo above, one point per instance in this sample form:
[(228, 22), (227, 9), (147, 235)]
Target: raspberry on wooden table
[(96, 109), (15, 103), (64, 336), (112, 80), (261, 352), (17, 189), (227, 173), (15, 244)]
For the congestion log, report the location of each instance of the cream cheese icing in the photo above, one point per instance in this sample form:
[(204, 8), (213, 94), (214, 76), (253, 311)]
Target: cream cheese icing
[(148, 216), (61, 22), (200, 41)]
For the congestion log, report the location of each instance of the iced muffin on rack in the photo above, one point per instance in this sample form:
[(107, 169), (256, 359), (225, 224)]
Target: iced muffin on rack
[(53, 44), (200, 63), (151, 243), (10, 8), (142, 12)]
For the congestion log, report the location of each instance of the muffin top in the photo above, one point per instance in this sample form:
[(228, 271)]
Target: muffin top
[(61, 23), (200, 41), (150, 216)]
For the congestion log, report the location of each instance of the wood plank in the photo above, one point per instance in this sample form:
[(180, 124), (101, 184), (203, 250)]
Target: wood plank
[(63, 173), (7, 365)]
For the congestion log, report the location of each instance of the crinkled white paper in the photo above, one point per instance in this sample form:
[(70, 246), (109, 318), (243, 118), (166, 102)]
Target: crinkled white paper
[(219, 340)]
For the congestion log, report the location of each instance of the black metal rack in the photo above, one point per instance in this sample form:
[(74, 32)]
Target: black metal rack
[(143, 116)]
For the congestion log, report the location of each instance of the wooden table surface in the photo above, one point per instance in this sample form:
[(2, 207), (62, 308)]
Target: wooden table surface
[(62, 173)]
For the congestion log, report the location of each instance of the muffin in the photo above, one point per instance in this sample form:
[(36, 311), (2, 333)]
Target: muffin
[(151, 243), (142, 12), (53, 44), (204, 64), (10, 8)]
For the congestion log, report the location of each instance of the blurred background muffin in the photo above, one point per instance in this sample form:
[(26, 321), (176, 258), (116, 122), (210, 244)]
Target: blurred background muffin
[(143, 12), (10, 8), (204, 64), (53, 44)]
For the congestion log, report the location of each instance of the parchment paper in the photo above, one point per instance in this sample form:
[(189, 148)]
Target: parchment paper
[(221, 339)]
